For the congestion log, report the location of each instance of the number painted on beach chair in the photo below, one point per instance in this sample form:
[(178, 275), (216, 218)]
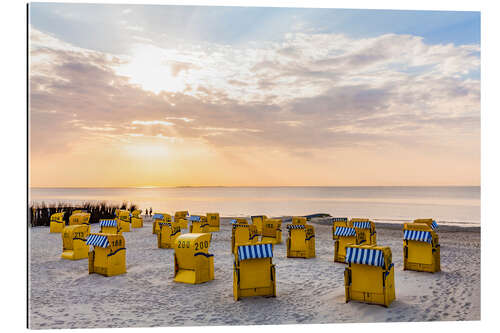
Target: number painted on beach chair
[(183, 245), (200, 245)]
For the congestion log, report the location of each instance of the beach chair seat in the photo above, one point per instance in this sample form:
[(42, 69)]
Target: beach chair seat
[(257, 220), (213, 220), (136, 219), (199, 224), (108, 255), (369, 274), (193, 264), (344, 236), (338, 222), (79, 217), (167, 235), (271, 231), (123, 219), (160, 217), (73, 239), (109, 226), (181, 218), (301, 241), (421, 249), (365, 229), (57, 222), (253, 272)]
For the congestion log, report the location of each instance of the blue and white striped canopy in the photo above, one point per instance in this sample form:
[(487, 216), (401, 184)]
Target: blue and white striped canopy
[(356, 255), (194, 218), (416, 235), (158, 216), (434, 225), (339, 219), (255, 251), (97, 240), (345, 231), (361, 225), (295, 226), (107, 223)]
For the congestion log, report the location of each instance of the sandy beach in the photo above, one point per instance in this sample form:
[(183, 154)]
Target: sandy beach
[(63, 295)]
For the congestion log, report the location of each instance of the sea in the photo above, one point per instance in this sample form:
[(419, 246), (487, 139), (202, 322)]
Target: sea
[(451, 205)]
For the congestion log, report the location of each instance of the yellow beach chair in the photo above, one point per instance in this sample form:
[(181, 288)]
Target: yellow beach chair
[(421, 250), (181, 218), (213, 222), (167, 235), (108, 256), (339, 222), (193, 264), (301, 241), (136, 219), (79, 217), (369, 276), (109, 227), (345, 236), (160, 217), (254, 273), (271, 231), (57, 222), (257, 220), (73, 239), (199, 224), (242, 233), (365, 229), (123, 219)]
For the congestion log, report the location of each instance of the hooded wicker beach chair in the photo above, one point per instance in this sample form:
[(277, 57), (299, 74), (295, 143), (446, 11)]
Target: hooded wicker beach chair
[(369, 275), (193, 264), (254, 273), (108, 254)]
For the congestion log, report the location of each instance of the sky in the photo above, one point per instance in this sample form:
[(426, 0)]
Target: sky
[(138, 95)]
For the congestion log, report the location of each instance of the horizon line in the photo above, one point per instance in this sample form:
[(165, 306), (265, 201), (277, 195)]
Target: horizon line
[(235, 186)]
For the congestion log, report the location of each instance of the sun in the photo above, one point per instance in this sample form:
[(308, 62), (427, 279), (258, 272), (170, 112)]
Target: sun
[(149, 67)]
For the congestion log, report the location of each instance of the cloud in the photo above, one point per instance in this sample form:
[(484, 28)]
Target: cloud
[(313, 91), (152, 122), (178, 67)]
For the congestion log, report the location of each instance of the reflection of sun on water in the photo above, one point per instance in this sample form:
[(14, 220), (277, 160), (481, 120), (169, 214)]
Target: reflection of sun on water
[(149, 67)]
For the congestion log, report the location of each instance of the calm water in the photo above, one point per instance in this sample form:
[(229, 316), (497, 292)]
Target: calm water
[(448, 205)]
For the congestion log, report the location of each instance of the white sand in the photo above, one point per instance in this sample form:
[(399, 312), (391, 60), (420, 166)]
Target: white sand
[(63, 294)]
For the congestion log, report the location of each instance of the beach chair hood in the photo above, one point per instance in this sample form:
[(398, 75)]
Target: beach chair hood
[(108, 223), (417, 235), (256, 251), (345, 231), (372, 257)]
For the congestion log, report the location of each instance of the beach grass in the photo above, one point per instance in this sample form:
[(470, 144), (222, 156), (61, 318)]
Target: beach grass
[(39, 213)]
